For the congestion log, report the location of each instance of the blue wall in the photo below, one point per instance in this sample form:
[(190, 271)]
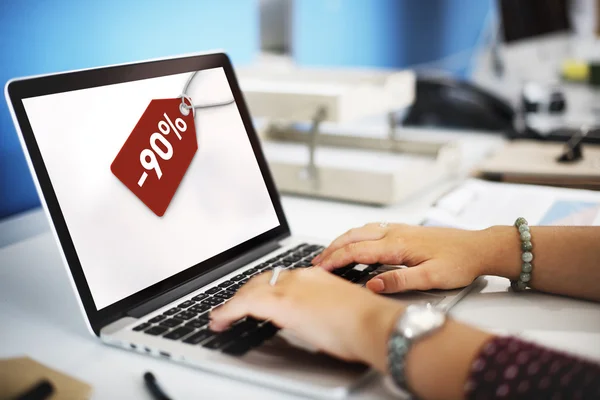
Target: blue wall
[(385, 33), (49, 36)]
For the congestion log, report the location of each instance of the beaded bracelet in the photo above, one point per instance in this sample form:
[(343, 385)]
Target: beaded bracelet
[(527, 256)]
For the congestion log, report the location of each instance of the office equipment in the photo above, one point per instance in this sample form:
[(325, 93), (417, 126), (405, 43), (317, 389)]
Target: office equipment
[(293, 106), (147, 282), (26, 379), (478, 204), (447, 102), (573, 164)]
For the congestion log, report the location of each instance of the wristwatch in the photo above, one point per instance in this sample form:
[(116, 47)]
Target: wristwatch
[(417, 321)]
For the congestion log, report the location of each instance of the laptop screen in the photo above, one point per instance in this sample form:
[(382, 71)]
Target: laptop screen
[(140, 201)]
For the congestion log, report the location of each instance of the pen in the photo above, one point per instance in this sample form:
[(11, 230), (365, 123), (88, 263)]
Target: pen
[(41, 391), (154, 388)]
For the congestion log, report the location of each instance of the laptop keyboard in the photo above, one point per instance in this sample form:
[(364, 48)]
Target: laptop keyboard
[(188, 321)]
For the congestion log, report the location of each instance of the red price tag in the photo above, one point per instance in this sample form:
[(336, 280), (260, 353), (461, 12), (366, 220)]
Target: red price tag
[(158, 152)]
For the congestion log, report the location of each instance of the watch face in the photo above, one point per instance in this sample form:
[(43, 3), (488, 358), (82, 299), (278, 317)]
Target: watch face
[(419, 319)]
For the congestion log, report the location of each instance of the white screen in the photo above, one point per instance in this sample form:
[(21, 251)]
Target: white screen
[(122, 245)]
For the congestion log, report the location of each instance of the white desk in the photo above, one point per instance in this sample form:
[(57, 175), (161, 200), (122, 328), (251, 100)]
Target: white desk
[(39, 316)]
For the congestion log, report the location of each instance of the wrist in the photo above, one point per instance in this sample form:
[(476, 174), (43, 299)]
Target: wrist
[(502, 252), (377, 326)]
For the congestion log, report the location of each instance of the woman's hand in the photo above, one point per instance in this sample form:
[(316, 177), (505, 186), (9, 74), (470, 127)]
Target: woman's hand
[(441, 258), (338, 318)]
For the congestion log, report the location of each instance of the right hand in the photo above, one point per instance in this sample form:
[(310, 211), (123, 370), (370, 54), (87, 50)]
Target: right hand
[(438, 258)]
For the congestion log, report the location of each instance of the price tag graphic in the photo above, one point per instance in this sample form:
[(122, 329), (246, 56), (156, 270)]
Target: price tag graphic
[(158, 152)]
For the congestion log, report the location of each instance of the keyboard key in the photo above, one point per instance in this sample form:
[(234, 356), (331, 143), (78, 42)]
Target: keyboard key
[(141, 327), (171, 322), (158, 318), (225, 294), (286, 263), (243, 281), (238, 277), (245, 326), (234, 288), (304, 264), (226, 284), (186, 304), (156, 330), (251, 271), (185, 315), (204, 317), (199, 308), (257, 337), (267, 331), (372, 267), (220, 340), (172, 311), (196, 323), (254, 321), (343, 270), (238, 348), (212, 301), (179, 333), (353, 275), (200, 297), (214, 290), (199, 337)]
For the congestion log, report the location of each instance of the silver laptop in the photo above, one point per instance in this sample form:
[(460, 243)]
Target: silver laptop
[(163, 206)]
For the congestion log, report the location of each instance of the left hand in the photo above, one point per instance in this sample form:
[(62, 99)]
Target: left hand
[(438, 258), (333, 315)]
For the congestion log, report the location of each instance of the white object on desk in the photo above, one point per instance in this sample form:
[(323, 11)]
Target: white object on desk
[(351, 174), (324, 164), (294, 94), (477, 204)]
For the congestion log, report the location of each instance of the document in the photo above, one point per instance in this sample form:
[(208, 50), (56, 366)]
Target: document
[(477, 204)]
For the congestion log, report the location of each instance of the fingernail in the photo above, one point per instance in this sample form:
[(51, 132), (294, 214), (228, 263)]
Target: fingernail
[(316, 259), (376, 285)]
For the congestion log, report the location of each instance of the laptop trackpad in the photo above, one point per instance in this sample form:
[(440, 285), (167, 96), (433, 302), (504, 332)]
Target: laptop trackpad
[(289, 357)]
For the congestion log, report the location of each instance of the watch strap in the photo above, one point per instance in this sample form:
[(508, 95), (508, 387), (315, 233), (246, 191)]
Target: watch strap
[(398, 346)]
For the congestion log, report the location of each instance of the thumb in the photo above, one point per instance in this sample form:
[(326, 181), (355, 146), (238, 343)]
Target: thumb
[(402, 279)]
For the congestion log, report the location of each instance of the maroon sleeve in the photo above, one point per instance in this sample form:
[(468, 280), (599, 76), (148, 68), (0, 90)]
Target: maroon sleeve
[(511, 368)]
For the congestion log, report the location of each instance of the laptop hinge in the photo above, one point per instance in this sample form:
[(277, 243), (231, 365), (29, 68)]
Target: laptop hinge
[(192, 285)]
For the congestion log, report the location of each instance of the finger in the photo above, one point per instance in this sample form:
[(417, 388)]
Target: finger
[(256, 303), (366, 252), (255, 299), (403, 279), (367, 232)]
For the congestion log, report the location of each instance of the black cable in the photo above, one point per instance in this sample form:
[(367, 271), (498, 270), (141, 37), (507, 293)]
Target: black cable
[(154, 388)]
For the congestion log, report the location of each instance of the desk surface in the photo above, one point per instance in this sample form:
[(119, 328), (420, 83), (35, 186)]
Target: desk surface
[(40, 317)]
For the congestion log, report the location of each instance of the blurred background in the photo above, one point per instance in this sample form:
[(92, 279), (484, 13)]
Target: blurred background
[(473, 46)]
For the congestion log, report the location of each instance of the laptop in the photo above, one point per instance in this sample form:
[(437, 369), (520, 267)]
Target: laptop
[(162, 203)]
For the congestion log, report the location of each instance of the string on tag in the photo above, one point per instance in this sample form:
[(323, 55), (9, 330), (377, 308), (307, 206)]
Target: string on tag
[(187, 106)]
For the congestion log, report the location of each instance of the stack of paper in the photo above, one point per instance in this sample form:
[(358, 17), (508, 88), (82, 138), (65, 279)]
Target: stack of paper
[(477, 204)]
